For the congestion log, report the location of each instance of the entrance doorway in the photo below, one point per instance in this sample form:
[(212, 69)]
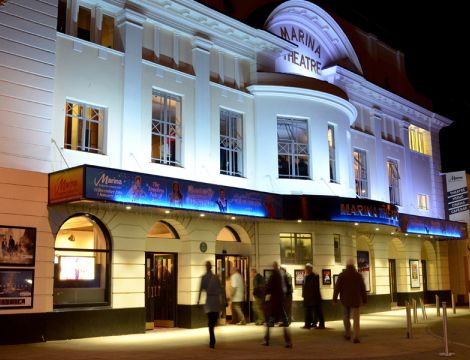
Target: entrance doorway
[(160, 290), (392, 274), (425, 280), (224, 266)]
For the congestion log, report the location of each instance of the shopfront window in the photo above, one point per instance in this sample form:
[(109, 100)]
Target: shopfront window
[(360, 173), (166, 128), (393, 182), (84, 127), (81, 263), (296, 248), (292, 144), (231, 143)]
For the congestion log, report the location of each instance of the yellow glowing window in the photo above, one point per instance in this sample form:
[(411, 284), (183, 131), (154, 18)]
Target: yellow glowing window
[(423, 202), (420, 140), (107, 32)]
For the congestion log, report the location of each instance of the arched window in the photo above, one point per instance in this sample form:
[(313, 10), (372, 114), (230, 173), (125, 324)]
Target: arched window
[(163, 230), (228, 234), (82, 263)]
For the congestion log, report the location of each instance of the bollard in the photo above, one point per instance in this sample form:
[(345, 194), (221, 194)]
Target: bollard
[(438, 306), (409, 326), (446, 352), (453, 303), (423, 309)]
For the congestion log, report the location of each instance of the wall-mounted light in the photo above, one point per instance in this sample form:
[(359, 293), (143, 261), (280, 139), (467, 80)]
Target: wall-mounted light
[(355, 224), (167, 211), (202, 215), (233, 218), (128, 207), (377, 229), (71, 238), (299, 221)]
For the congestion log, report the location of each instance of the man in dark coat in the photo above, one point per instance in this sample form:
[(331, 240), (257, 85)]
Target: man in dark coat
[(352, 291), (275, 306), (312, 300)]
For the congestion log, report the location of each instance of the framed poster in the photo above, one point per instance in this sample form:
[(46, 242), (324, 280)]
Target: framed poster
[(335, 279), (16, 288), (326, 276), (18, 246), (363, 266), (414, 274), (267, 274), (299, 276)]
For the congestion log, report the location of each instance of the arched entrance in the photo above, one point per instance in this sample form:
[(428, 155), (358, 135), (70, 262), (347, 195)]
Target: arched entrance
[(396, 268), (82, 261), (428, 269), (227, 264), (161, 280)]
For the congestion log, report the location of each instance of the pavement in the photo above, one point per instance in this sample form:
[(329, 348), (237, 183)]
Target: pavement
[(383, 336)]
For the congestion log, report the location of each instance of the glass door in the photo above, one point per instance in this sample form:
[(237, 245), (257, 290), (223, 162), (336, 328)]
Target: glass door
[(224, 266), (160, 290)]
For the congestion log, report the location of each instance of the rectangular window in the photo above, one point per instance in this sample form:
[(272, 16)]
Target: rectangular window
[(423, 202), (231, 143), (332, 153), (393, 182), (337, 245), (296, 248), (166, 128), (84, 23), (360, 173), (107, 32), (62, 16), (292, 144), (419, 140), (84, 127)]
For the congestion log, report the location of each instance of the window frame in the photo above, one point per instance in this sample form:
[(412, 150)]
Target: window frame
[(393, 186), (420, 202), (234, 145), (359, 182), (332, 158), (293, 150), (337, 249), (178, 137), (294, 246), (83, 118)]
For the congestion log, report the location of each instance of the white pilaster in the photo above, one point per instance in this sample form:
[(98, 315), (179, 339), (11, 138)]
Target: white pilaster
[(379, 187), (408, 195), (130, 27)]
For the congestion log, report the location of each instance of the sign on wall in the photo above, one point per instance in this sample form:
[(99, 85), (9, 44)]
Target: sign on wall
[(363, 267), (16, 288), (18, 245), (432, 227), (457, 196), (66, 185)]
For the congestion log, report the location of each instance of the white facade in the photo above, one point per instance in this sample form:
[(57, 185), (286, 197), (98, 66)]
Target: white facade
[(211, 62)]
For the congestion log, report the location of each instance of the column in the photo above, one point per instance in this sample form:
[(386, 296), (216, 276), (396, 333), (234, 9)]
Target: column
[(130, 25), (379, 189), (202, 105), (407, 192)]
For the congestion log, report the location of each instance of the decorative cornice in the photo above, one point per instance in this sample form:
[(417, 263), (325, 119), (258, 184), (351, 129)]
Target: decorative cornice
[(130, 16)]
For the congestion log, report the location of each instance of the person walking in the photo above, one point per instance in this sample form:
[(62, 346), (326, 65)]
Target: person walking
[(275, 306), (312, 300), (352, 291), (259, 287), (288, 290), (237, 294), (215, 300)]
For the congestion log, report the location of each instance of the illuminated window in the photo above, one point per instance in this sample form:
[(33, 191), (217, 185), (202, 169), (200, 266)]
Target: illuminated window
[(231, 143), (393, 182), (332, 153), (360, 173), (107, 31), (423, 202), (84, 127), (337, 247), (420, 140), (84, 23), (292, 144), (81, 263), (296, 248), (166, 128), (163, 230), (228, 234)]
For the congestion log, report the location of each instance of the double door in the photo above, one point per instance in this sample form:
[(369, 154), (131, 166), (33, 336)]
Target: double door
[(224, 266), (160, 289)]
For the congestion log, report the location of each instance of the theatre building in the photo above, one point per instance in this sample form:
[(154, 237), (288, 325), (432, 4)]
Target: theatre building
[(139, 139)]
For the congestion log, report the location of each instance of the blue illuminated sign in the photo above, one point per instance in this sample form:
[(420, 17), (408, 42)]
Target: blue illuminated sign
[(151, 190), (429, 226)]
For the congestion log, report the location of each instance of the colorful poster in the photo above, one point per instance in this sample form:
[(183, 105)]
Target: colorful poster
[(152, 190), (16, 288), (18, 246), (326, 276), (299, 276), (414, 274), (363, 266), (66, 185)]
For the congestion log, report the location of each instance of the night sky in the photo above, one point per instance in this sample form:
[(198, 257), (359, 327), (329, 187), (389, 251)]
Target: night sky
[(434, 39)]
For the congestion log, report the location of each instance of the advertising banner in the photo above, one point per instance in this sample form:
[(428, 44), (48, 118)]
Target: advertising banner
[(363, 267), (457, 196), (152, 190), (429, 226), (16, 288), (66, 185)]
